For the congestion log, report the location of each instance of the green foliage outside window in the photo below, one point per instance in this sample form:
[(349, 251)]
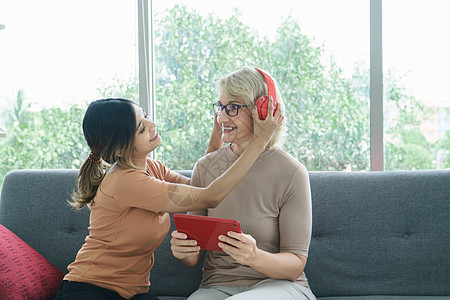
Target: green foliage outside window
[(49, 138), (328, 114)]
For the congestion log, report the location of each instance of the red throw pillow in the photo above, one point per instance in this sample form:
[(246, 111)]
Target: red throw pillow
[(24, 273)]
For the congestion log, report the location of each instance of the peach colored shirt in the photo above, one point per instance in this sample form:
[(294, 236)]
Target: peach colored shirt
[(126, 227)]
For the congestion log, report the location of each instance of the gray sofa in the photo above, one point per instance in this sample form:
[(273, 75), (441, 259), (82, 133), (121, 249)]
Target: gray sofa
[(376, 235)]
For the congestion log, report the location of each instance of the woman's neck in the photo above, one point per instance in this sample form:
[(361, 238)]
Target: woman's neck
[(140, 162), (238, 149)]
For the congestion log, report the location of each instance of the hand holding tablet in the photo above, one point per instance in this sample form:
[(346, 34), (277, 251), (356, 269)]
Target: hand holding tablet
[(205, 230)]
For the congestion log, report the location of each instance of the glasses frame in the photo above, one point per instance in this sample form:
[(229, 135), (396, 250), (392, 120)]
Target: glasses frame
[(227, 108)]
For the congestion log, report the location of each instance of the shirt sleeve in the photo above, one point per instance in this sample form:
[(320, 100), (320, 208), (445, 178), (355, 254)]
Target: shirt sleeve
[(196, 181), (138, 189), (296, 215), (162, 172)]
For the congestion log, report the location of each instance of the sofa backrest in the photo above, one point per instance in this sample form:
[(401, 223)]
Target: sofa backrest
[(380, 233), (373, 232), (33, 205)]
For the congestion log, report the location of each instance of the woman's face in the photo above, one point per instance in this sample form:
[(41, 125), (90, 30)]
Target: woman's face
[(147, 138), (237, 130)]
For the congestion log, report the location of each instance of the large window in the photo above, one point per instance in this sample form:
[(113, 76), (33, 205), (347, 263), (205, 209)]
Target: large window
[(318, 51), (416, 60), (56, 56)]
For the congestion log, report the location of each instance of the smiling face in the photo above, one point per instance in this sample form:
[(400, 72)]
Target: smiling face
[(237, 130), (147, 138)]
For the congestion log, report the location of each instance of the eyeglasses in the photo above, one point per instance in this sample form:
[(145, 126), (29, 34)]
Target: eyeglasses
[(231, 109)]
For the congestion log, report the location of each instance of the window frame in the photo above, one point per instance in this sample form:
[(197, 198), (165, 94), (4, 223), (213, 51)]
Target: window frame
[(147, 83), (376, 87)]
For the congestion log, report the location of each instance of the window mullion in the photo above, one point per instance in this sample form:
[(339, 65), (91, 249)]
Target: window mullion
[(376, 87)]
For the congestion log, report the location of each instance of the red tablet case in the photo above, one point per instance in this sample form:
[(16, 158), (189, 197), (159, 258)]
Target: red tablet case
[(205, 230)]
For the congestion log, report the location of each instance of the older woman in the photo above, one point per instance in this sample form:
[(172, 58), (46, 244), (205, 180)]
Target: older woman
[(272, 202)]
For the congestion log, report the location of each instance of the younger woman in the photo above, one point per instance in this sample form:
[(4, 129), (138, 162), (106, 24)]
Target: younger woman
[(130, 196)]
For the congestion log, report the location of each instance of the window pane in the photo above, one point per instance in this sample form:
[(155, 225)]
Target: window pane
[(416, 64), (55, 57), (318, 51)]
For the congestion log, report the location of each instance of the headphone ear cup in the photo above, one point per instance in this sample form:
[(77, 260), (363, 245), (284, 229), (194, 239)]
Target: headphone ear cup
[(262, 105)]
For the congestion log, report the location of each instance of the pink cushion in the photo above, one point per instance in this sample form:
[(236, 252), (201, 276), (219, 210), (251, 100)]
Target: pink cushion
[(24, 273)]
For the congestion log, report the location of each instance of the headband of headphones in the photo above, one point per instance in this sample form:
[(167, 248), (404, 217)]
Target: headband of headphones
[(270, 85)]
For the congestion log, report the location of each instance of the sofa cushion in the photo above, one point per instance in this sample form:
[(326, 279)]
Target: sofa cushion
[(24, 273), (167, 266), (380, 233), (37, 199)]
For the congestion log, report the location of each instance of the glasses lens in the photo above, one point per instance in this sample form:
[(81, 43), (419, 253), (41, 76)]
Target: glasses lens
[(232, 110), (216, 108)]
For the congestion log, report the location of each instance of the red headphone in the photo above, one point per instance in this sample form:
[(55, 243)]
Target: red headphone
[(262, 104)]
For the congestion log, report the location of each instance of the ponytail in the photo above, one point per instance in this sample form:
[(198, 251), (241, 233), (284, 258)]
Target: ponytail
[(109, 127), (90, 176)]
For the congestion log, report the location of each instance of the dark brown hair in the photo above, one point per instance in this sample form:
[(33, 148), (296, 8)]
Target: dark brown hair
[(109, 127)]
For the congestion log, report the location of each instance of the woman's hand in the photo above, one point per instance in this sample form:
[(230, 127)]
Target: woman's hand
[(263, 130), (183, 248), (217, 129), (242, 247), (215, 141)]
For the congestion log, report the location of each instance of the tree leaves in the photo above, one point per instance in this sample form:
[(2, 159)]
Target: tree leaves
[(327, 114)]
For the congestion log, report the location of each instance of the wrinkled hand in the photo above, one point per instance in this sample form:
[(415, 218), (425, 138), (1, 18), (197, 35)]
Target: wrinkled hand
[(242, 247), (182, 247), (263, 130), (217, 129), (215, 141)]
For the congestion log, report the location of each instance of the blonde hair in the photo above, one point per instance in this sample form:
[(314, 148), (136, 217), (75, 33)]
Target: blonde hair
[(249, 84)]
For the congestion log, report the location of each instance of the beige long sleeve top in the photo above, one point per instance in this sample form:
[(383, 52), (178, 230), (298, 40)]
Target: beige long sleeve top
[(272, 203)]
